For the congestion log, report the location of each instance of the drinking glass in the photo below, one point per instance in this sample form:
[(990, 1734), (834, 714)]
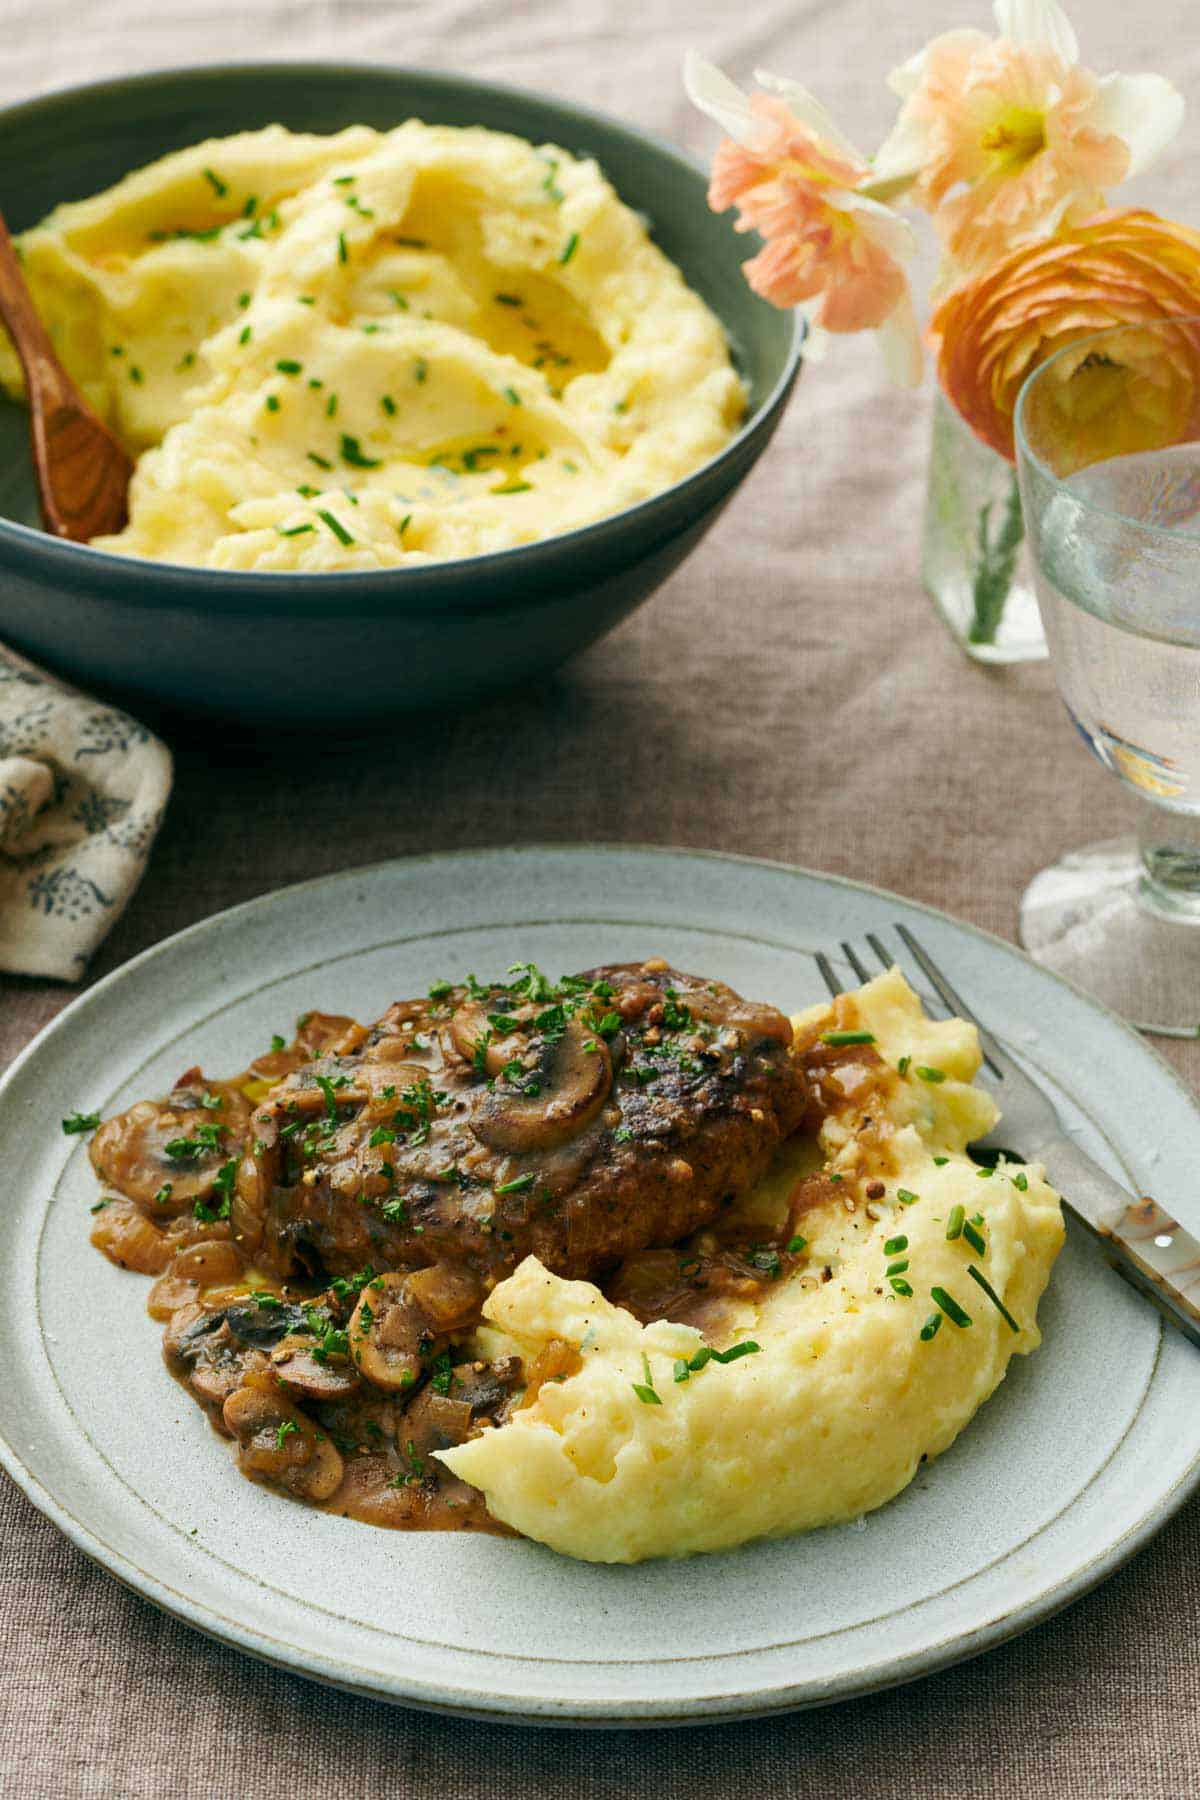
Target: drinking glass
[(1108, 451)]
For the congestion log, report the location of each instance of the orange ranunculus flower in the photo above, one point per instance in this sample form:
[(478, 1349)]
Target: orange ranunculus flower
[(1119, 268)]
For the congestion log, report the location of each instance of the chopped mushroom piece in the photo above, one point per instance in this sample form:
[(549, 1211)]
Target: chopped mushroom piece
[(279, 1443), (562, 1086)]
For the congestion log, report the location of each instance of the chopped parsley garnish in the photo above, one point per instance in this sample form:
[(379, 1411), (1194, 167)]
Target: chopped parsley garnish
[(440, 989), (163, 1194), (278, 1042), (795, 1245), (79, 1122), (284, 1431), (204, 1137), (766, 1260), (441, 1373), (380, 1135)]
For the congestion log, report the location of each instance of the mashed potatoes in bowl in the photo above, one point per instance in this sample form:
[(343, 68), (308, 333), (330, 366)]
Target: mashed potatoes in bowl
[(377, 349), (919, 1276)]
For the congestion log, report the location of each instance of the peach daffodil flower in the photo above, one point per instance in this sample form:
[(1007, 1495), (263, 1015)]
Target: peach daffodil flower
[(830, 247), (1006, 139)]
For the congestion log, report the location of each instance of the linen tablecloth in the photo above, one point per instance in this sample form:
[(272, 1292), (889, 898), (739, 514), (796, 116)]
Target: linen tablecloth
[(789, 693)]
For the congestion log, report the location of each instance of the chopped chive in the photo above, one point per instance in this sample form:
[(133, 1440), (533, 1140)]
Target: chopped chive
[(420, 369), (272, 403), (993, 1296), (306, 299), (295, 530), (906, 1197), (569, 248), (388, 405), (897, 1268), (645, 1390), (287, 365), (512, 396), (413, 243), (335, 525), (847, 1037), (250, 206), (950, 1307), (244, 334), (895, 1245), (343, 253), (795, 1245), (939, 1162), (927, 1074), (682, 1371), (902, 1067), (243, 301), (135, 375), (900, 1286), (319, 460), (331, 406), (954, 1225), (220, 188), (985, 1174), (975, 1238), (514, 487), (1020, 1182), (306, 492), (931, 1327), (352, 453), (517, 1185), (404, 524)]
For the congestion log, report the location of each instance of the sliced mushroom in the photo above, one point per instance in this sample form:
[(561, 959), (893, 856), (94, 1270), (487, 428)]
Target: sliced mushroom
[(559, 1097), (387, 1329), (279, 1443), (144, 1153), (295, 1363), (469, 1028), (203, 1352)]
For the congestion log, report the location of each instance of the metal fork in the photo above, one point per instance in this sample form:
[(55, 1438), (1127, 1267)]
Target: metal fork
[(1143, 1243)]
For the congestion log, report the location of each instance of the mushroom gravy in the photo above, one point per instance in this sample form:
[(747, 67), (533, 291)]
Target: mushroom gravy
[(325, 1226)]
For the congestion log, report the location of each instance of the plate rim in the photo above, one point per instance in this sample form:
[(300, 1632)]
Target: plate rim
[(462, 1702)]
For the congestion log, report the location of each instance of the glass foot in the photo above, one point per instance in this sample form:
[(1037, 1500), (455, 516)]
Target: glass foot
[(1085, 918)]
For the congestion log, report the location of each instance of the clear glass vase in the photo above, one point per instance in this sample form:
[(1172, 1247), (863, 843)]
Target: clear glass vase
[(975, 561)]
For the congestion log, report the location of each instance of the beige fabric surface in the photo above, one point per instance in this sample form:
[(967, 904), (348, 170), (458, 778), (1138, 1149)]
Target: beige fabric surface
[(789, 693)]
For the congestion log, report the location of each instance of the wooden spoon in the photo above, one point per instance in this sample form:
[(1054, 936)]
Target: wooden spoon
[(82, 472)]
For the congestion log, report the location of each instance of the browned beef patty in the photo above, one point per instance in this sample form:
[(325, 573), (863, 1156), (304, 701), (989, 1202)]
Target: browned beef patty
[(577, 1121)]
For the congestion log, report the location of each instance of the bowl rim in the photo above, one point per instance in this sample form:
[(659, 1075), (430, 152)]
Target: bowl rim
[(236, 590)]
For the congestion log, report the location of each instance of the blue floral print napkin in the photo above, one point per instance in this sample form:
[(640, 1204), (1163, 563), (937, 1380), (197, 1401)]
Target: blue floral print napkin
[(83, 788)]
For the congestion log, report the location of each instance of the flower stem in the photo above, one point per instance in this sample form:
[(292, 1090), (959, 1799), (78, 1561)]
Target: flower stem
[(996, 566)]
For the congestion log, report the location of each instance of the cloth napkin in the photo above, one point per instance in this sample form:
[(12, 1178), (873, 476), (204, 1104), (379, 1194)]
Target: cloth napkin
[(83, 789)]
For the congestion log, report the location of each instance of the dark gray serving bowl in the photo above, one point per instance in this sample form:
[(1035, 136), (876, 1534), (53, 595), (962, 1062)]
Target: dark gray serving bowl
[(351, 648)]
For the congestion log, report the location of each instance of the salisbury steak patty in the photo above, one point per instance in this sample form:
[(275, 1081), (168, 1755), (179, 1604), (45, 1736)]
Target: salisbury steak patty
[(577, 1121)]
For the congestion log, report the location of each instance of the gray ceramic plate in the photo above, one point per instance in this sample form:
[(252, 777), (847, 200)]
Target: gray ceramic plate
[(1086, 1450)]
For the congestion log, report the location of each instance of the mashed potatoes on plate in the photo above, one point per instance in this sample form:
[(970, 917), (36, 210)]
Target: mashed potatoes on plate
[(366, 350), (921, 1278)]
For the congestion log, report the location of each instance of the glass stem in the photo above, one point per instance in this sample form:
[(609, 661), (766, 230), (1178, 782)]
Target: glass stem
[(1169, 843)]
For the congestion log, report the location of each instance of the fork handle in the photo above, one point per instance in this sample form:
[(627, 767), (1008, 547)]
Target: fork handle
[(1144, 1244)]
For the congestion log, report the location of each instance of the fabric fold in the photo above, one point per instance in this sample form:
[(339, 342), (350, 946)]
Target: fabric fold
[(83, 789)]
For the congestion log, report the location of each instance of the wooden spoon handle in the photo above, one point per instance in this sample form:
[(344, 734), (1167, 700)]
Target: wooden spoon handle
[(82, 471)]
